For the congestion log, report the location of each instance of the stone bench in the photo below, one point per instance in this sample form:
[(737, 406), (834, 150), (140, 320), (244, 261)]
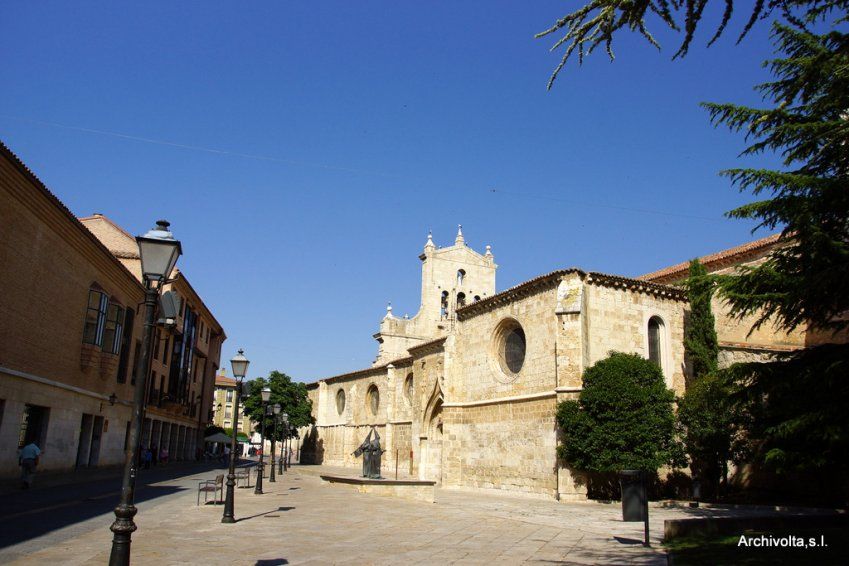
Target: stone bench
[(418, 490)]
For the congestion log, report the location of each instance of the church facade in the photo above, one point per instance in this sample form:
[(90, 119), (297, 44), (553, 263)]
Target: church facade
[(465, 392)]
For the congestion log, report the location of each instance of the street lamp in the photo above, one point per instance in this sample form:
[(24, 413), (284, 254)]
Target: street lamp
[(239, 364), (276, 411), (283, 453), (286, 448), (266, 395), (158, 251)]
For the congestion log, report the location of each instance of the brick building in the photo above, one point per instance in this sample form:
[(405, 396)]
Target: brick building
[(185, 357), (71, 333)]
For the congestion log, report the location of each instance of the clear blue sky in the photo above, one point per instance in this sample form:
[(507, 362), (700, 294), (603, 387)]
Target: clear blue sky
[(342, 131)]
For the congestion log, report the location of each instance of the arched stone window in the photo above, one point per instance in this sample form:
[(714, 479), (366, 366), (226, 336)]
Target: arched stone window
[(655, 331), (340, 401), (443, 305), (461, 300), (477, 298), (373, 397), (461, 274)]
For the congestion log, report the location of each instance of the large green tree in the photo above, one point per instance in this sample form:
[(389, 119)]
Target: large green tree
[(791, 402), (623, 418), (293, 400)]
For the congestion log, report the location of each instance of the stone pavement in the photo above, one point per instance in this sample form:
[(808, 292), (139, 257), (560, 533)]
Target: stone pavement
[(300, 520)]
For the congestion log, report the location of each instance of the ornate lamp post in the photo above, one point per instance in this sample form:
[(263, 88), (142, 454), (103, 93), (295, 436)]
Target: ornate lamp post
[(276, 411), (266, 395), (283, 452), (158, 251), (239, 363), (286, 428)]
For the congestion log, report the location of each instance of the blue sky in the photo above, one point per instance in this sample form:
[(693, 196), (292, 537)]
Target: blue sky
[(302, 151)]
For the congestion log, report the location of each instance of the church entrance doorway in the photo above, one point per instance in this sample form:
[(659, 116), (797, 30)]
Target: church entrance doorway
[(433, 451)]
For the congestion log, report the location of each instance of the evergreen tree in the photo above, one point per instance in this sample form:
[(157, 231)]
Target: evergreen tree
[(623, 418), (700, 342), (793, 404), (708, 422)]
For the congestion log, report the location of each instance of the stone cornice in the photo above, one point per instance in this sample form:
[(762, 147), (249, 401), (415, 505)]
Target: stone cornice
[(60, 385), (427, 347), (501, 400)]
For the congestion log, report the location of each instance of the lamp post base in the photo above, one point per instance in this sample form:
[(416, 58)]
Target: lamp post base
[(123, 527)]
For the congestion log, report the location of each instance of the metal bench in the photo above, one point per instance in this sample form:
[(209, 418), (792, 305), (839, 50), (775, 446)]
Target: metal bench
[(243, 473), (215, 486)]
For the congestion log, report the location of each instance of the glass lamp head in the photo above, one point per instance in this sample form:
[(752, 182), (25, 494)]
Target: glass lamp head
[(239, 364), (158, 251)]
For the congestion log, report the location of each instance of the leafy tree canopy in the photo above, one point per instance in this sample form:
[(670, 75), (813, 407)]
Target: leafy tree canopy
[(293, 400), (708, 428), (597, 21), (623, 418)]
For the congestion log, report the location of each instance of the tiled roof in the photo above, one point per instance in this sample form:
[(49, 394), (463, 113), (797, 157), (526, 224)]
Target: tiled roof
[(713, 261), (224, 381), (549, 279)]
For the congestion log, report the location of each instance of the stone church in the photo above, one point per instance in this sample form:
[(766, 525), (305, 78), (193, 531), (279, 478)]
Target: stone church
[(465, 392)]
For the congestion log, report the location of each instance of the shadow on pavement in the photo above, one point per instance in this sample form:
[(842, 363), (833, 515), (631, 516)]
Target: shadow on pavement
[(28, 514), (271, 562), (239, 520)]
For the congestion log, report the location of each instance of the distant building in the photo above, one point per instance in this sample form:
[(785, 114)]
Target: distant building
[(223, 406), (185, 357), (69, 332), (465, 392)]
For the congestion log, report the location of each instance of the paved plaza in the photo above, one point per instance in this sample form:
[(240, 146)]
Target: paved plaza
[(300, 520)]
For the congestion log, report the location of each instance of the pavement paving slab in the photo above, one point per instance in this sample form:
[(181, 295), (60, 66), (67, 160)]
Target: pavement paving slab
[(301, 520)]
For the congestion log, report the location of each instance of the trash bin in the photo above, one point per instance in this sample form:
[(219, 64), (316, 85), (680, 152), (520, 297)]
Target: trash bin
[(633, 495)]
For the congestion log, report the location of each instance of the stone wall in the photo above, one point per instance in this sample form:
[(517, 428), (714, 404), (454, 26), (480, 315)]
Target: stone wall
[(509, 445), (617, 320)]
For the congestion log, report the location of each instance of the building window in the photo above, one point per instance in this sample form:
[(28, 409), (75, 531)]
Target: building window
[(443, 304), (340, 401), (165, 350), (113, 331), (95, 317), (461, 274), (408, 388), (228, 412), (33, 426), (373, 399), (461, 300), (510, 346), (655, 329), (229, 395), (477, 298)]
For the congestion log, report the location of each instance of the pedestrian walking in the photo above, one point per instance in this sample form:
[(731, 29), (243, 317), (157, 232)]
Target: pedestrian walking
[(147, 458), (28, 461)]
